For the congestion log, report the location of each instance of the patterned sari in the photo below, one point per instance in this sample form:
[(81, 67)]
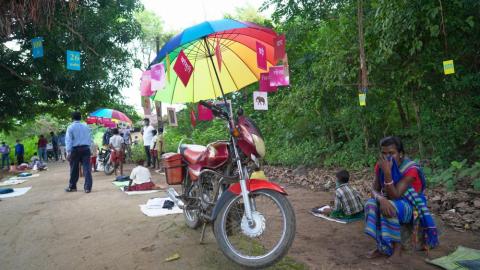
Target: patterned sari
[(386, 231)]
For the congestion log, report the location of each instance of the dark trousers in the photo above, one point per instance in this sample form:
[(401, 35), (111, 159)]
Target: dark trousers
[(55, 152), (80, 155), (19, 159), (149, 158)]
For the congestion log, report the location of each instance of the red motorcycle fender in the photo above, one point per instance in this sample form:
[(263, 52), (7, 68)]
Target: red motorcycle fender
[(235, 190)]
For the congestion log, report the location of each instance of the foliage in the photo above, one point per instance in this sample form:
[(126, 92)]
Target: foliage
[(457, 171), (100, 30), (138, 153)]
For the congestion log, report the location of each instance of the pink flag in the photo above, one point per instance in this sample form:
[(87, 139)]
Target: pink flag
[(183, 68), (147, 107), (277, 76), (91, 120), (261, 56), (145, 84), (265, 83), (158, 77), (218, 54), (204, 113), (279, 47)]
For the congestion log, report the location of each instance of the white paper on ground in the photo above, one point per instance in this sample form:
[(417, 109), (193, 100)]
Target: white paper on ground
[(25, 177), (327, 217), (16, 192), (140, 192), (10, 182), (153, 208)]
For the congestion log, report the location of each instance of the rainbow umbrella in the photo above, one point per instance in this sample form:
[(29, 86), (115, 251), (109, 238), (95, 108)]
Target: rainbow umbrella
[(238, 41), (111, 114)]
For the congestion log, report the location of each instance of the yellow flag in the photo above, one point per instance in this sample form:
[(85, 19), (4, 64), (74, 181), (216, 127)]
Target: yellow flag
[(168, 67), (448, 67), (363, 99)]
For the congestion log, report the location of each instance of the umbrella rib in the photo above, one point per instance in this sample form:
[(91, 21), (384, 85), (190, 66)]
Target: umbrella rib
[(243, 62), (210, 73), (230, 74)]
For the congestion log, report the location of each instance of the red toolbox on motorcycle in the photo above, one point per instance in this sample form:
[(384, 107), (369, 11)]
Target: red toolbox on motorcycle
[(174, 168)]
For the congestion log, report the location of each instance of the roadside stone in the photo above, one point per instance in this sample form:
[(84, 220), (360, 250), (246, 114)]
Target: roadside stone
[(476, 203)]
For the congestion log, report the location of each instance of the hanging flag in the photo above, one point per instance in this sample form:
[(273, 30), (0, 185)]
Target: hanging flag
[(218, 54), (448, 67), (279, 47), (73, 60), (37, 47), (277, 76), (260, 101), (167, 61), (362, 98), (204, 113), (261, 56), (146, 84), (183, 68), (157, 74), (265, 83), (172, 117), (147, 107), (193, 119), (91, 120)]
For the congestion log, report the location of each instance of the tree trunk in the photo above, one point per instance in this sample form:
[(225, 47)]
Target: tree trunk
[(345, 131), (419, 127), (332, 137), (401, 111)]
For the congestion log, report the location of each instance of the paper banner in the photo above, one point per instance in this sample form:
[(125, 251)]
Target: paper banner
[(73, 60), (448, 67), (277, 76), (218, 54), (193, 118), (158, 77), (183, 68), (362, 98), (260, 101), (37, 47), (167, 65), (146, 84), (261, 56), (91, 120), (279, 47), (204, 113), (265, 83), (147, 108), (172, 117)]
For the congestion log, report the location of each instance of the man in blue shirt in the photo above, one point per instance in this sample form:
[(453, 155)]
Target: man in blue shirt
[(5, 151), (19, 152), (77, 144)]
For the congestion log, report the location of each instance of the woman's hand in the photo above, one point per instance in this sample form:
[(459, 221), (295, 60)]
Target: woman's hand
[(384, 164), (387, 209)]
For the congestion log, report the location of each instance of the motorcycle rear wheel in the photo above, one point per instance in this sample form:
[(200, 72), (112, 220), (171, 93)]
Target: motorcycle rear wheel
[(191, 216), (264, 244), (108, 168)]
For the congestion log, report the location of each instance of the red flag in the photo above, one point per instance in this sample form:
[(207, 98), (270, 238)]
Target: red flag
[(218, 54), (183, 68), (265, 83), (204, 113), (193, 119), (261, 56), (279, 47), (277, 76)]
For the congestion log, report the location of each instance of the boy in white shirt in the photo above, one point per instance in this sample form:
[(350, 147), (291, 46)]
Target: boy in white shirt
[(153, 151), (118, 150), (141, 179)]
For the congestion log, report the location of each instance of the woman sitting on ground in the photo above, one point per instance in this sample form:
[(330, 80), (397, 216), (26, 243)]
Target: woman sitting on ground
[(141, 179), (397, 197)]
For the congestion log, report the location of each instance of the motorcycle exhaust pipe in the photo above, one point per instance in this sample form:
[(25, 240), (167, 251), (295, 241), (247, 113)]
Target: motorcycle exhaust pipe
[(172, 194)]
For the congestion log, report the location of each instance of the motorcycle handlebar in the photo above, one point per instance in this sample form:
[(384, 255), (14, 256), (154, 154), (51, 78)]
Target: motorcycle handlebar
[(216, 110)]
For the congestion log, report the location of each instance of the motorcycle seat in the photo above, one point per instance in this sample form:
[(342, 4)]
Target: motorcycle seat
[(192, 153)]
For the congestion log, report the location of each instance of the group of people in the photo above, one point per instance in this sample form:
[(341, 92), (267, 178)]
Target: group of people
[(55, 147), (397, 199)]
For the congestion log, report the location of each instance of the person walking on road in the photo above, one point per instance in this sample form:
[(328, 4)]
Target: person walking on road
[(147, 139), (78, 141)]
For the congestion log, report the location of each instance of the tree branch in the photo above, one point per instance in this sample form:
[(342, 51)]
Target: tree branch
[(82, 39)]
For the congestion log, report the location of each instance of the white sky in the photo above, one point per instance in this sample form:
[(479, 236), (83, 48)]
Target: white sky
[(180, 14)]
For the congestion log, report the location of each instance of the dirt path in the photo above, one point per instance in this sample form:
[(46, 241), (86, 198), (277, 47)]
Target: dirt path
[(51, 229)]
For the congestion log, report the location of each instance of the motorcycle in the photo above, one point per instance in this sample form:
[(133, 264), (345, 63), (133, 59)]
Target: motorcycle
[(253, 222), (103, 161)]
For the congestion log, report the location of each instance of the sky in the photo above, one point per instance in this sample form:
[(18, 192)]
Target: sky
[(180, 14)]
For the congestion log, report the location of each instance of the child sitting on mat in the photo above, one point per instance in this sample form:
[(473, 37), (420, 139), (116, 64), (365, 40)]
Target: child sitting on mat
[(348, 203), (141, 179)]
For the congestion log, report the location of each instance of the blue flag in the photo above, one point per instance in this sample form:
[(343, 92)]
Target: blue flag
[(37, 47), (73, 60)]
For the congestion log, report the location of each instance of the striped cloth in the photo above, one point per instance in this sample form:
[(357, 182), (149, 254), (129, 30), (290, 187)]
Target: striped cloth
[(347, 200)]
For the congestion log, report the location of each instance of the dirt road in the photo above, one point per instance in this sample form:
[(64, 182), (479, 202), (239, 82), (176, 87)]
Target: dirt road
[(50, 229)]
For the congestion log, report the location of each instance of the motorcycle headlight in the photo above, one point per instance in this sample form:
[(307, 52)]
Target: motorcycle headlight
[(259, 145)]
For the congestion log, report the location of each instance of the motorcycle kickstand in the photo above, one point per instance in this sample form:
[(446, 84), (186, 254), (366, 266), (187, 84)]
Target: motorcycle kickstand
[(202, 235)]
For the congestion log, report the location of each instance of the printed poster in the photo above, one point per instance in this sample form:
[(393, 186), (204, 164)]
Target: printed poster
[(37, 47), (260, 101), (278, 77), (183, 68), (172, 117), (279, 47), (265, 83), (73, 60), (204, 113), (448, 67), (261, 56), (157, 74), (362, 98)]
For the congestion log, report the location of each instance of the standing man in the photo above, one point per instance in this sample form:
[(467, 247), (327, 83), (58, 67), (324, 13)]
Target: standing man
[(42, 148), (54, 144), (147, 139), (5, 151), (78, 142), (19, 152), (61, 146), (106, 137), (127, 140)]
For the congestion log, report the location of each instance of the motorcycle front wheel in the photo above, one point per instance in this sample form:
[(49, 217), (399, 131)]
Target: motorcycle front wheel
[(108, 168), (267, 240)]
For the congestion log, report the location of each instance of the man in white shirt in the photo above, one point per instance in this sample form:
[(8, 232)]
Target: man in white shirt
[(118, 150), (147, 139), (141, 179)]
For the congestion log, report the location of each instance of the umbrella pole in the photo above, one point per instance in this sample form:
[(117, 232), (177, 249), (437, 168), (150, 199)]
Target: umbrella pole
[(216, 75)]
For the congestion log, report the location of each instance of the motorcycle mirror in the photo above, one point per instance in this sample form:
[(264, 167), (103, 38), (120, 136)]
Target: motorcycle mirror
[(240, 112)]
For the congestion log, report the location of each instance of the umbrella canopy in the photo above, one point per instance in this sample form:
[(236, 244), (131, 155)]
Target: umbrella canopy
[(114, 115), (238, 41)]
